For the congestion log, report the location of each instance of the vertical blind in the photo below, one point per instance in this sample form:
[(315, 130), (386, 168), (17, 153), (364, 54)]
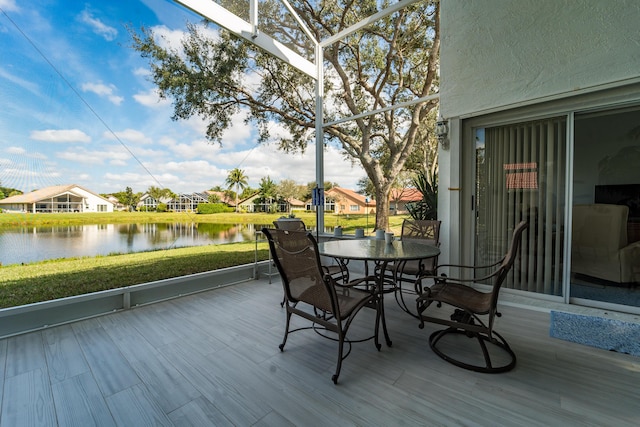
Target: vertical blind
[(521, 176)]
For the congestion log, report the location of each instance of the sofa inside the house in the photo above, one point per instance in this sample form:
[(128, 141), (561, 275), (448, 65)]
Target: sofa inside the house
[(600, 246)]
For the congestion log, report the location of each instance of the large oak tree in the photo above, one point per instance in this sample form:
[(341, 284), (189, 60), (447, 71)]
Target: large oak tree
[(215, 75)]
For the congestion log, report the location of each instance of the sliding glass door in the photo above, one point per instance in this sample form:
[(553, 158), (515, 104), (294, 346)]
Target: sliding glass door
[(605, 254), (520, 175)]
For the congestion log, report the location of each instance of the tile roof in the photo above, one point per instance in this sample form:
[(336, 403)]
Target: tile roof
[(405, 194), (43, 193), (350, 194), (401, 194)]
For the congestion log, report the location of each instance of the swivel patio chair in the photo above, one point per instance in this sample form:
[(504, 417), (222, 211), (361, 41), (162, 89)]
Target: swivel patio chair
[(314, 295), (469, 304)]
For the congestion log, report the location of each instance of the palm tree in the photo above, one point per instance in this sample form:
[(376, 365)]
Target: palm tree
[(268, 192), (237, 179)]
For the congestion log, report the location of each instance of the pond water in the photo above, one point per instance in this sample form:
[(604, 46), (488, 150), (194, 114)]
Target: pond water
[(29, 244)]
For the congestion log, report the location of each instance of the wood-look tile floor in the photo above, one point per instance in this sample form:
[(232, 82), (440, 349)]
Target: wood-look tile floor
[(213, 359)]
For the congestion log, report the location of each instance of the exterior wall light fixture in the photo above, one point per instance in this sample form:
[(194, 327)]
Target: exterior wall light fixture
[(442, 133)]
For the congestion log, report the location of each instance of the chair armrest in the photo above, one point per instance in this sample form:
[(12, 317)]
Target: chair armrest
[(444, 277), (468, 267), (475, 267)]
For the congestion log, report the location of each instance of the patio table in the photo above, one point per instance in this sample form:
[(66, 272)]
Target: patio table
[(380, 252)]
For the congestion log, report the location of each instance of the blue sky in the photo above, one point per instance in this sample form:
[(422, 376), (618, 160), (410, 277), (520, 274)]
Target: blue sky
[(77, 107)]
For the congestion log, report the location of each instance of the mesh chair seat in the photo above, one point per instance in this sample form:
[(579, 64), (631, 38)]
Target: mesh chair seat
[(461, 296), (349, 299)]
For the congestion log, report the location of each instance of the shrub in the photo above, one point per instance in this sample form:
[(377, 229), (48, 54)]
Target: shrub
[(427, 208), (211, 208), (162, 207)]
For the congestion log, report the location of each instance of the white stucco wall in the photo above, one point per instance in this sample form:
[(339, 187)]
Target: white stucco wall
[(93, 200), (496, 53)]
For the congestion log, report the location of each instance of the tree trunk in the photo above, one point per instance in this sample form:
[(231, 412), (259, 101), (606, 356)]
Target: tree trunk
[(382, 208)]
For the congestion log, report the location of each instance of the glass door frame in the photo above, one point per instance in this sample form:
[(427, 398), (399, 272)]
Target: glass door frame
[(567, 106)]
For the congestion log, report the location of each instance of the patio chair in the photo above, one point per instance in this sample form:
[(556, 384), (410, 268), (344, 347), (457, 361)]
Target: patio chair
[(470, 303), (313, 294), (338, 271), (428, 232)]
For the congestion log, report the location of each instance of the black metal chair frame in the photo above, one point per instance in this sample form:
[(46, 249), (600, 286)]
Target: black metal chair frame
[(314, 295), (470, 304)]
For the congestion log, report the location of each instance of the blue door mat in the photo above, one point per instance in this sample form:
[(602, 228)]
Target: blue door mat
[(599, 332)]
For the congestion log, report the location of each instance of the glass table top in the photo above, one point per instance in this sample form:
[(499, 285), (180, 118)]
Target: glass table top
[(371, 249)]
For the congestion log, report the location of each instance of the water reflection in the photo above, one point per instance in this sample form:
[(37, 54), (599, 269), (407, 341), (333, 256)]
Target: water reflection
[(29, 244)]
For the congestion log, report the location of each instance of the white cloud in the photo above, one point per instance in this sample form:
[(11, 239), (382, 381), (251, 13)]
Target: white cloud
[(25, 84), (168, 38), (9, 5), (166, 141), (128, 177), (36, 155), (141, 181), (65, 135), (26, 153), (130, 135), (190, 166), (15, 150), (5, 163), (196, 175), (141, 71), (266, 160), (84, 158), (142, 154), (103, 90), (151, 98), (199, 148), (238, 133), (339, 170), (96, 157), (98, 27)]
